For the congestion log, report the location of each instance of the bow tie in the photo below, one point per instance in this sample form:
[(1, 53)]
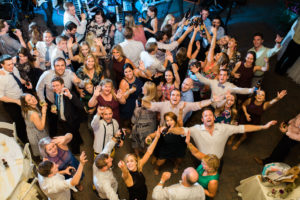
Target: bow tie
[(109, 123), (221, 85)]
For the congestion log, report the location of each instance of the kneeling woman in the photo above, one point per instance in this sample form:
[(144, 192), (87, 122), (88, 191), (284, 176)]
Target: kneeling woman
[(132, 171), (170, 146)]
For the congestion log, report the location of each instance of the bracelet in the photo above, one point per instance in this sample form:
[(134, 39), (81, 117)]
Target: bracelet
[(161, 182)]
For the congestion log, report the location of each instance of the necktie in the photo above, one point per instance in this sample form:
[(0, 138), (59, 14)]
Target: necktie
[(18, 81), (47, 55), (221, 85)]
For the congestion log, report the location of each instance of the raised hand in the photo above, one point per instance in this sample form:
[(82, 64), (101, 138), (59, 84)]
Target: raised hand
[(269, 124), (281, 94), (97, 91), (58, 139), (198, 45), (100, 110), (82, 158), (44, 108), (278, 39), (165, 176), (122, 164)]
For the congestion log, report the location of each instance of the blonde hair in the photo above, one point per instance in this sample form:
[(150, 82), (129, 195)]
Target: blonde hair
[(135, 158), (119, 49), (165, 22), (212, 162), (150, 88), (109, 81), (81, 56), (129, 21), (97, 67), (89, 38)]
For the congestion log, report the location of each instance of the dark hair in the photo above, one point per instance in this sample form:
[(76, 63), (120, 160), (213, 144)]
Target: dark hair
[(172, 116), (128, 32), (207, 108), (167, 29), (153, 9), (127, 65), (258, 34), (59, 59), (60, 38), (205, 8), (5, 57), (67, 5), (24, 105), (26, 53), (175, 89), (45, 167), (2, 25), (171, 70), (70, 26), (159, 35), (101, 12), (58, 79), (254, 56), (181, 55), (100, 160), (224, 70)]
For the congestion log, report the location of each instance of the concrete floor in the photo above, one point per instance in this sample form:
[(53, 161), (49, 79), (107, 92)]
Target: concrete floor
[(246, 20)]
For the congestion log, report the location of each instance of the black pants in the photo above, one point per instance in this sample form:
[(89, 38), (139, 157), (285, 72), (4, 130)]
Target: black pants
[(72, 127), (52, 120), (14, 112), (281, 150), (288, 58)]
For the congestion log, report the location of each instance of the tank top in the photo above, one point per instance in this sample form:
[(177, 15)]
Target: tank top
[(204, 180), (255, 111), (118, 70), (139, 189), (246, 75)]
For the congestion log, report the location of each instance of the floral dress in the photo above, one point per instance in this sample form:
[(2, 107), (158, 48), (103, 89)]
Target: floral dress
[(102, 31)]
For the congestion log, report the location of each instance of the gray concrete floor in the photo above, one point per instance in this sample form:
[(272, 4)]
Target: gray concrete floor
[(246, 20)]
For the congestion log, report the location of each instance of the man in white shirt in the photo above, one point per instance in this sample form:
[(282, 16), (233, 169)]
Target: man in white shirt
[(11, 89), (103, 177), (220, 86), (211, 137), (45, 49), (263, 52), (70, 15), (131, 48), (54, 184), (186, 189), (60, 51)]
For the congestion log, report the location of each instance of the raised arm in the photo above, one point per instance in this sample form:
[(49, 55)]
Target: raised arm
[(236, 67), (264, 68), (195, 152), (39, 123), (93, 101), (188, 30), (190, 47), (280, 95), (252, 128), (76, 178), (211, 52), (150, 149)]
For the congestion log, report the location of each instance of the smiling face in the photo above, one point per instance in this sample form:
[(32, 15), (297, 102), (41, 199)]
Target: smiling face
[(175, 97), (257, 41), (54, 169), (116, 54), (72, 10), (208, 118), (128, 72), (216, 23), (8, 65), (89, 88), (131, 163), (57, 87), (51, 149), (223, 76), (169, 76), (60, 67), (107, 115), (204, 14), (106, 88), (171, 21), (187, 84), (249, 59), (232, 43), (99, 19), (90, 63), (23, 58), (108, 162), (62, 45), (260, 96), (47, 38), (85, 50), (31, 100), (229, 101)]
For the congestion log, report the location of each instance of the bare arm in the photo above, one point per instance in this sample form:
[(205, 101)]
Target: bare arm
[(190, 47), (236, 67), (195, 152), (212, 188), (9, 100), (280, 95), (76, 178), (38, 122), (176, 131), (211, 52), (150, 149), (253, 128)]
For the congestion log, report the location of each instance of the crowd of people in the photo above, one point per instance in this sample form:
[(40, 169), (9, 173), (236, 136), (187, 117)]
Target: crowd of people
[(139, 80)]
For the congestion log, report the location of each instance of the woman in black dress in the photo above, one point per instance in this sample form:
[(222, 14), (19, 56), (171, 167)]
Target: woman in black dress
[(150, 24), (132, 171), (170, 146)]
